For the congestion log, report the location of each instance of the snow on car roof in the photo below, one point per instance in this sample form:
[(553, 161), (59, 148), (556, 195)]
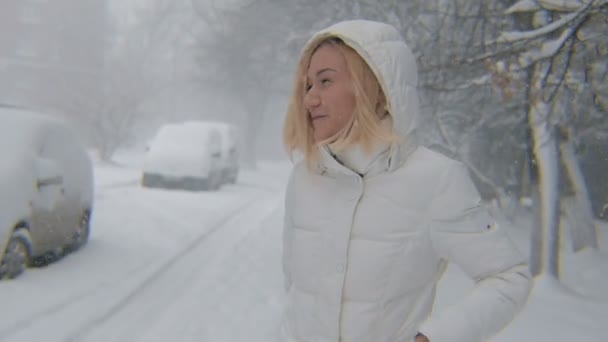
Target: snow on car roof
[(23, 135), (20, 137), (189, 133)]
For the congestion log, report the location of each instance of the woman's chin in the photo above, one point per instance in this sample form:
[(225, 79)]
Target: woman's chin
[(319, 137), (322, 138)]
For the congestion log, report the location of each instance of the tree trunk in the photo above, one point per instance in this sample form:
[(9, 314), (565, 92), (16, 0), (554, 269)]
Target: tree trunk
[(526, 190), (579, 214), (253, 113), (255, 105), (544, 253)]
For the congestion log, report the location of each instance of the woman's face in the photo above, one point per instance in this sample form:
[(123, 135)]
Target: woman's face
[(329, 98)]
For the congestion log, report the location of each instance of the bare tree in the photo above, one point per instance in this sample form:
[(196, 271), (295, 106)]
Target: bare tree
[(241, 53), (492, 96), (549, 48), (465, 61), (130, 76)]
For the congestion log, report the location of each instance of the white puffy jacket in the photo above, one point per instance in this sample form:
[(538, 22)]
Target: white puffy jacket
[(363, 254)]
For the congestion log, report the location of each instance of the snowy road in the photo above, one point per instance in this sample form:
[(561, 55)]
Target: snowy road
[(179, 266), (160, 266)]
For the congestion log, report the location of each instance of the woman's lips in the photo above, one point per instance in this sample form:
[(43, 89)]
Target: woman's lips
[(318, 117)]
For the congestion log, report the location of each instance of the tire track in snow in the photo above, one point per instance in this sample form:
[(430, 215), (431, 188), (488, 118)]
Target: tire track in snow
[(79, 334), (33, 319), (157, 311)]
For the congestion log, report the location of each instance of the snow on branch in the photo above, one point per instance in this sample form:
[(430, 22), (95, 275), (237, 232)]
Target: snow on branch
[(560, 5), (479, 81), (523, 6), (513, 36), (547, 49)]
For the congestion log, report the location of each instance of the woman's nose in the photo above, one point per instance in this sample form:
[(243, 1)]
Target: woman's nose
[(311, 99)]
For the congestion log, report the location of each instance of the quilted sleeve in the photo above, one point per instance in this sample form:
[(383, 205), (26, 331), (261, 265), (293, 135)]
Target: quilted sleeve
[(464, 232)]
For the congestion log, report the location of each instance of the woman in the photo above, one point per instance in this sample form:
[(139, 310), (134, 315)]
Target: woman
[(372, 218)]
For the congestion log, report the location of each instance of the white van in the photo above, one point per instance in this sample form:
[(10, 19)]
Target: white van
[(185, 156)]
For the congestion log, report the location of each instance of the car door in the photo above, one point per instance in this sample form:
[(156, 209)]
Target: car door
[(45, 203), (56, 149)]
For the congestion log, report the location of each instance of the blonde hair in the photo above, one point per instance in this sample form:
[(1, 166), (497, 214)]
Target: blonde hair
[(370, 107)]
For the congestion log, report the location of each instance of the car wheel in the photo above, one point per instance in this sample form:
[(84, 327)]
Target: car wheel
[(213, 184), (232, 175), (17, 254), (204, 184), (81, 235), (217, 181), (193, 184)]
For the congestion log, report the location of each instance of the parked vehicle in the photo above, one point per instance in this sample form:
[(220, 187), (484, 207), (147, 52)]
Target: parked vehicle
[(184, 156), (46, 190), (229, 154)]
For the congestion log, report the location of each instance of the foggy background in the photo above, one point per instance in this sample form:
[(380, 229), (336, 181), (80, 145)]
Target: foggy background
[(512, 89)]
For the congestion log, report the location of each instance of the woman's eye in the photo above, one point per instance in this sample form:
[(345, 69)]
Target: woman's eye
[(325, 81), (308, 86)]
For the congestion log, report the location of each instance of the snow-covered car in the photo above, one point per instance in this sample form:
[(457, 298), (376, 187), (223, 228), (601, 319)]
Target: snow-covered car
[(184, 156), (229, 159), (46, 189)]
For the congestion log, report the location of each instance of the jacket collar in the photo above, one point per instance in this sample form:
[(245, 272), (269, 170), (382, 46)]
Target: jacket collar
[(388, 158)]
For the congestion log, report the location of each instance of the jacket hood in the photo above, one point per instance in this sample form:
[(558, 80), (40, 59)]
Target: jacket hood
[(394, 65)]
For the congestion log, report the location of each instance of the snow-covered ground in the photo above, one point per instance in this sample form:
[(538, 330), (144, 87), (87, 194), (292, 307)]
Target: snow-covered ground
[(180, 266)]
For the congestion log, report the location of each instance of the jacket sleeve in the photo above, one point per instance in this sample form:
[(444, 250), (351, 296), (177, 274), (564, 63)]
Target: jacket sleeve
[(288, 231), (463, 232)]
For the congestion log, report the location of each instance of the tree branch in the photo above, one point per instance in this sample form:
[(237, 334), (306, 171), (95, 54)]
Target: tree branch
[(513, 36)]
